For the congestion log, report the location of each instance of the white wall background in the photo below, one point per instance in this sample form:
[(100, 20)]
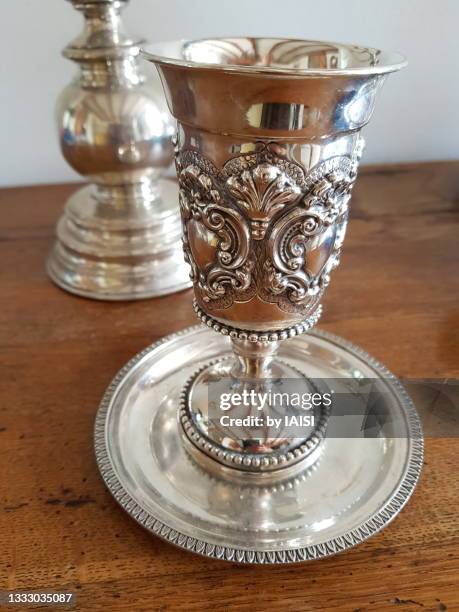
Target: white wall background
[(417, 114)]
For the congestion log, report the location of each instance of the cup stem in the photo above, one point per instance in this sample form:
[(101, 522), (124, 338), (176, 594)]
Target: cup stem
[(253, 359)]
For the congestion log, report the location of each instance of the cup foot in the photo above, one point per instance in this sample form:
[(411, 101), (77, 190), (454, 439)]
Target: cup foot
[(252, 436)]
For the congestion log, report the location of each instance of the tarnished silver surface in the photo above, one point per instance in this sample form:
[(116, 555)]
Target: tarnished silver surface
[(119, 237), (354, 488)]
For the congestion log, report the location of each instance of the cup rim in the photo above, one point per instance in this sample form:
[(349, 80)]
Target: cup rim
[(158, 54)]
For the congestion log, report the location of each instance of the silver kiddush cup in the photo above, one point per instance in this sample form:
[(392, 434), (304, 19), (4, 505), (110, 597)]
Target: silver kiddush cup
[(267, 153)]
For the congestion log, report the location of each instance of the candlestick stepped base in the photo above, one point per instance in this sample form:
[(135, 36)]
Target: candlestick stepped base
[(120, 243)]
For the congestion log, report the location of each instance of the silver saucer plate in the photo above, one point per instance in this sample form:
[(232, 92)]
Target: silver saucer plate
[(355, 488)]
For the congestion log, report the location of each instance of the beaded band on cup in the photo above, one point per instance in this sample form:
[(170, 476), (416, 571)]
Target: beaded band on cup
[(253, 336)]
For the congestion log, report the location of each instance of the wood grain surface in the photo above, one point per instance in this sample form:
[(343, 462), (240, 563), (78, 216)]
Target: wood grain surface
[(395, 294)]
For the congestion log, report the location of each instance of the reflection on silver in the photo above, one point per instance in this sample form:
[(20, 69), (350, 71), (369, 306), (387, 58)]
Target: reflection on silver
[(119, 237), (352, 491), (276, 56)]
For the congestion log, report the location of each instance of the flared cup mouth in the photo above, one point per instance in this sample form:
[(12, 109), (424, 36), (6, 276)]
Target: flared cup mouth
[(277, 56)]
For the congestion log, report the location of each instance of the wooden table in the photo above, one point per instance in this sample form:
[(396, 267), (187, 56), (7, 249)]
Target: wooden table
[(395, 294)]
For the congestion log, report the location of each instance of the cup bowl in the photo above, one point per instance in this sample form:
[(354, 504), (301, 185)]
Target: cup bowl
[(267, 152)]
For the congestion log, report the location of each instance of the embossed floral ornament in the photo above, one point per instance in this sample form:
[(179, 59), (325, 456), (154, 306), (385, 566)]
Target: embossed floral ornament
[(261, 192), (304, 244), (196, 189), (332, 193), (262, 226), (204, 213)]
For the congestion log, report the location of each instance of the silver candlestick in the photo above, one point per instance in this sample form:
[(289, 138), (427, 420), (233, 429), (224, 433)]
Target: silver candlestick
[(119, 237), (267, 154)]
